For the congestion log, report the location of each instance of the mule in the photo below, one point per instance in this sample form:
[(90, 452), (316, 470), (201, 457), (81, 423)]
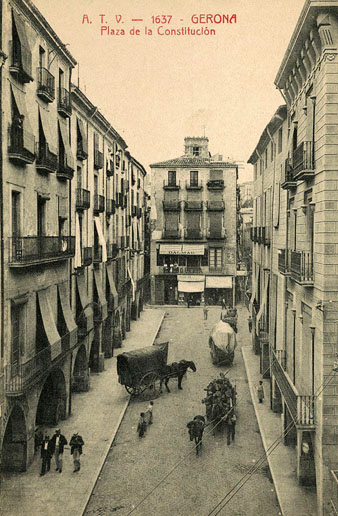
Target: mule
[(176, 370), (196, 429)]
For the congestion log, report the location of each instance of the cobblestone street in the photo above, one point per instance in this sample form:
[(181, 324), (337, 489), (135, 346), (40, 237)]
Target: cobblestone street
[(135, 467)]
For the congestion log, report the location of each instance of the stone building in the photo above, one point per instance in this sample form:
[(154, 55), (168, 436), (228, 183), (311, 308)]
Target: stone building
[(193, 247), (295, 286), (71, 268)]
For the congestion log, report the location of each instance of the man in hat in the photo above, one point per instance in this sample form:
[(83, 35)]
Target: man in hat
[(58, 442), (76, 444), (45, 455)]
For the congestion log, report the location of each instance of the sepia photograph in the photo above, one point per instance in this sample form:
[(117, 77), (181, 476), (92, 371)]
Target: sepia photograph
[(169, 258)]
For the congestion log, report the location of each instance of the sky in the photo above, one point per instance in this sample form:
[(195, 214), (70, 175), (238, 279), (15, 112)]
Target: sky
[(155, 90)]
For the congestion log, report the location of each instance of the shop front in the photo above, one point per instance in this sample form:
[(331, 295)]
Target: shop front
[(190, 289), (218, 288)]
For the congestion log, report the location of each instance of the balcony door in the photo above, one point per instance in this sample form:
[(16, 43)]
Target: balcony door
[(41, 217), (16, 318)]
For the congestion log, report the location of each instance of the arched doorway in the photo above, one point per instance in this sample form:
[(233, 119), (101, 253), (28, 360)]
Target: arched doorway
[(14, 446), (53, 400), (80, 381), (117, 330)]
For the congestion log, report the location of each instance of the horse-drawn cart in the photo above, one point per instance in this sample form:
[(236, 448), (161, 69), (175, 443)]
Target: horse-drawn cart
[(222, 343), (141, 370)]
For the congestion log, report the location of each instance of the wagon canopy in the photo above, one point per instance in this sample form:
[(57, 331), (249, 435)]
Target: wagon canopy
[(224, 337), (132, 365)]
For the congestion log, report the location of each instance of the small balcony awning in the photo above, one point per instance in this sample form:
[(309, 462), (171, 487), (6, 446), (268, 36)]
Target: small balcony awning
[(67, 314), (49, 325), (182, 249), (83, 136), (102, 240), (218, 282), (48, 130), (19, 99), (263, 303), (191, 286), (101, 297), (86, 306), (26, 42), (112, 286), (65, 141)]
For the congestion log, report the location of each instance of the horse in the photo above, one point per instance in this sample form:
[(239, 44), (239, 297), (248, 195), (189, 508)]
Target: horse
[(176, 370), (196, 428)]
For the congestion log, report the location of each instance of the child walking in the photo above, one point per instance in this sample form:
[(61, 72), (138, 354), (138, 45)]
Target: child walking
[(149, 413), (142, 425), (260, 391)]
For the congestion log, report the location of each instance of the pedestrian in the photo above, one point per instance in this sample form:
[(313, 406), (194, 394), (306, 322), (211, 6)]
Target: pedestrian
[(149, 413), (260, 391), (45, 455), (188, 302), (250, 323), (205, 313), (223, 303), (142, 425), (231, 427), (76, 444), (38, 438), (58, 442)]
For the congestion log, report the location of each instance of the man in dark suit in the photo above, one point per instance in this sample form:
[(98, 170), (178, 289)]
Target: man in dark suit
[(76, 444), (45, 455), (58, 442)]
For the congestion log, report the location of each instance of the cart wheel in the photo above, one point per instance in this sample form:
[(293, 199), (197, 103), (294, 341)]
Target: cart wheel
[(150, 384), (134, 391)]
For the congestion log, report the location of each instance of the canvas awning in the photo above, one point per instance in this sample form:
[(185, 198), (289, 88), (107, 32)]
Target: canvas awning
[(49, 325), (65, 141), (263, 303), (77, 257), (83, 136), (86, 306), (28, 135), (101, 297), (112, 286), (102, 240), (191, 286), (132, 284), (67, 314), (26, 54), (182, 249), (218, 282), (170, 249), (48, 131)]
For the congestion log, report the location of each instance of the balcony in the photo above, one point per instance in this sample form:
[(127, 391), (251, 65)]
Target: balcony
[(80, 153), (97, 254), (303, 161), (334, 492), (19, 377), (139, 213), (121, 242), (87, 256), (34, 250), (98, 159), (133, 211), (181, 270), (21, 62), (171, 185), (99, 202), (110, 207), (216, 234), (46, 85), (171, 205), (287, 179), (110, 168), (215, 205), (46, 161), (171, 234), (267, 236), (301, 268), (193, 185), (64, 103), (193, 205), (64, 170), (215, 184), (284, 261), (301, 407), (112, 251), (82, 199), (21, 148), (193, 234)]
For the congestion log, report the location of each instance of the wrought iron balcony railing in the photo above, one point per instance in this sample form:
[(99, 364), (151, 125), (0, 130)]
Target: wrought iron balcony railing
[(65, 168), (30, 250), (301, 267), (171, 205), (82, 199), (21, 148), (193, 234), (64, 106), (303, 161), (99, 202), (46, 85), (112, 251), (46, 161), (287, 180), (80, 153), (98, 159), (216, 234), (20, 376), (21, 62), (193, 206), (171, 234), (215, 184), (171, 185), (110, 207), (97, 254), (87, 256), (215, 205), (194, 185), (110, 168), (284, 261)]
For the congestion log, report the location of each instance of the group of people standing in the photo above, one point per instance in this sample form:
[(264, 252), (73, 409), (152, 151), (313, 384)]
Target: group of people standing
[(55, 446)]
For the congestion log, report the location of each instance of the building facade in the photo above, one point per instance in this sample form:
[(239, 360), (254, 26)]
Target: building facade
[(194, 239), (72, 228), (295, 291)]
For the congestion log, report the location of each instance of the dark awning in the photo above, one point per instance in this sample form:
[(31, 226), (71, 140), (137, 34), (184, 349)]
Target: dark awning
[(65, 141), (83, 136), (48, 130), (26, 54), (112, 286), (86, 307), (49, 325), (67, 314), (101, 297)]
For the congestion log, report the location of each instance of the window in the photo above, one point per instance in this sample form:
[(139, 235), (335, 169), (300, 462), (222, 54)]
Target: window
[(280, 140), (196, 151), (194, 178), (172, 178), (215, 257), (16, 214), (42, 56), (266, 158), (41, 216), (79, 177), (271, 151)]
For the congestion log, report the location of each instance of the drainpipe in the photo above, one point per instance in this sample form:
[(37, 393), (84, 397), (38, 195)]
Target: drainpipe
[(3, 58)]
